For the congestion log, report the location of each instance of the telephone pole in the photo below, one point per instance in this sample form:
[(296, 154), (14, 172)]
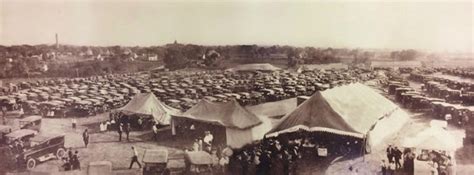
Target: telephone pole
[(57, 41)]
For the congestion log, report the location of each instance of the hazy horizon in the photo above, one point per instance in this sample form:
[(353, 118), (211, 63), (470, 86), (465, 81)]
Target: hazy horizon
[(434, 26)]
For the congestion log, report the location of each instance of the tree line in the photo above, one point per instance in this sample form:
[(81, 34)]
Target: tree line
[(23, 60)]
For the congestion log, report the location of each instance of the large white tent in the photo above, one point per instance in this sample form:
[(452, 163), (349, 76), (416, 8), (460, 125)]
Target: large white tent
[(241, 126), (432, 138), (148, 104), (353, 110)]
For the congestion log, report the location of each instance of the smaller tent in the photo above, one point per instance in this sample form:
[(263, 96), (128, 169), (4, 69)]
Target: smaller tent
[(254, 67), (275, 109), (433, 138), (148, 104), (241, 126)]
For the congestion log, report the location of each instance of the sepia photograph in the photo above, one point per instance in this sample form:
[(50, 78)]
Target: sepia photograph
[(236, 87)]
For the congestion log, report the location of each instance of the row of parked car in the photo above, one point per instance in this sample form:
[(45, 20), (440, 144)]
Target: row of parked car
[(459, 92), (456, 114), (89, 96)]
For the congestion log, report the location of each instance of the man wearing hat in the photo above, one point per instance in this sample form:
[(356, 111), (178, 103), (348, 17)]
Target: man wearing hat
[(120, 130), (208, 138)]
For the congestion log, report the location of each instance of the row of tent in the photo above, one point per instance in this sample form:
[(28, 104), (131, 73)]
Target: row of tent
[(352, 110)]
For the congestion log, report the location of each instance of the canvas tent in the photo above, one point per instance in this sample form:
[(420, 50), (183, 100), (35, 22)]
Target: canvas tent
[(274, 109), (148, 104), (432, 138), (241, 126), (352, 110), (255, 67)]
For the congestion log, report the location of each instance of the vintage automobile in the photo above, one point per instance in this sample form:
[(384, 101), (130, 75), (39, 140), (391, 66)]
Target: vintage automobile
[(155, 162), (198, 162), (290, 90), (9, 102), (4, 130), (468, 98), (42, 148), (31, 122), (30, 107), (23, 134)]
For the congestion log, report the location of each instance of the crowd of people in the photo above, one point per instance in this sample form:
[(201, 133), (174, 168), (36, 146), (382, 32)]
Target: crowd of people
[(283, 154), (71, 161), (439, 162), (394, 156)]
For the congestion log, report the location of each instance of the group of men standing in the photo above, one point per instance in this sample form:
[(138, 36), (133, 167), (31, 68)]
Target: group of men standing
[(124, 127), (394, 156), (71, 162)]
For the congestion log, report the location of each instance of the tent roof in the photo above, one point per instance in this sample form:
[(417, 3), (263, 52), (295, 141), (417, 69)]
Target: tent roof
[(148, 104), (347, 110), (255, 67), (435, 138), (274, 109), (228, 114)]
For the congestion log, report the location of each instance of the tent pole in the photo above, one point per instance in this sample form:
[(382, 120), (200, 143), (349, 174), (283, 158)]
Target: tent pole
[(364, 142)]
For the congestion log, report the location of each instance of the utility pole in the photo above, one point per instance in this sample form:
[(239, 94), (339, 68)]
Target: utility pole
[(57, 41)]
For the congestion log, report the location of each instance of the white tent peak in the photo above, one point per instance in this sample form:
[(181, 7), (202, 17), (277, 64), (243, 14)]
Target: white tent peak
[(148, 104)]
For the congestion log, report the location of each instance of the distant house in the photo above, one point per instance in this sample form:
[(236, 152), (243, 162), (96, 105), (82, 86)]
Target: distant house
[(153, 57), (99, 57), (127, 51), (89, 52), (44, 68), (37, 57)]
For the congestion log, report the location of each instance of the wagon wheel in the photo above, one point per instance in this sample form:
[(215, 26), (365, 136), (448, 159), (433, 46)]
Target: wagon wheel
[(31, 163), (60, 153)]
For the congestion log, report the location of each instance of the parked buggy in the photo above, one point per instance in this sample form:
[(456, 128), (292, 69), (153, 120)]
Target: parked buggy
[(198, 162), (155, 162)]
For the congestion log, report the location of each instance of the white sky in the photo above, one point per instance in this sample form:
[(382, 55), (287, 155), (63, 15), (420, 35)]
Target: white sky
[(431, 25)]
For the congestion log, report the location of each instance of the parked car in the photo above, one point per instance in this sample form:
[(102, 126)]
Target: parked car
[(43, 148), (31, 122), (4, 130), (155, 162), (22, 134)]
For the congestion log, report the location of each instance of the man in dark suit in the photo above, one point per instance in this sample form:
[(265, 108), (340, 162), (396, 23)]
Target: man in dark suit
[(390, 154), (85, 137)]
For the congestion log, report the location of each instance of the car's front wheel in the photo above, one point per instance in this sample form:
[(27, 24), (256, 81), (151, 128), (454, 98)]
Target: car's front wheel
[(60, 153), (31, 163)]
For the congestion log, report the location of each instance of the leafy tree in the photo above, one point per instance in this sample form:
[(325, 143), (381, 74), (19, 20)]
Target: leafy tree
[(211, 58), (404, 55), (175, 59)]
